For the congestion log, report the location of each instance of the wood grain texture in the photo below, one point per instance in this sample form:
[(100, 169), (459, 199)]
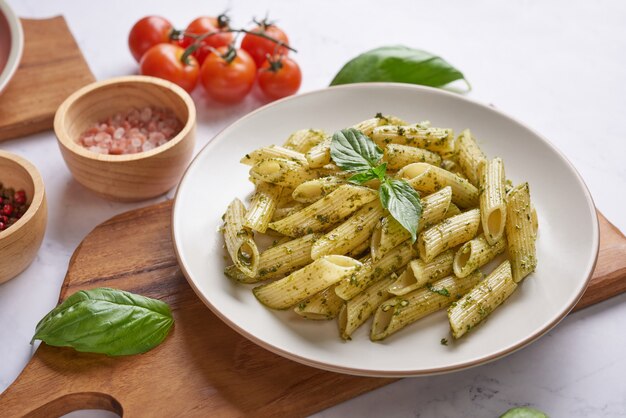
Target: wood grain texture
[(129, 177), (52, 67), (20, 242), (203, 368)]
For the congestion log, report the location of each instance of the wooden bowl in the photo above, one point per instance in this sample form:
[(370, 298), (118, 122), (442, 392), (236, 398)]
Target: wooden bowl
[(129, 177), (19, 242)]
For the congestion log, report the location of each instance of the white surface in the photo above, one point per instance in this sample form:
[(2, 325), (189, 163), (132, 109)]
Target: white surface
[(567, 223), (557, 66)]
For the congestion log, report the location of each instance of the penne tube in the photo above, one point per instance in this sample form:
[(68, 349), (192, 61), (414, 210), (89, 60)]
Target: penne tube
[(492, 206), (240, 239), (323, 305), (278, 261), (397, 156), (452, 167), (419, 273), (359, 250), (469, 156), (313, 190), (319, 155), (481, 300), (282, 213), (389, 232), (351, 233), (373, 271), (475, 254), (304, 283), (262, 206), (367, 126), (285, 172), (428, 178), (273, 151), (432, 139), (357, 310), (323, 214), (520, 232), (533, 216), (304, 139), (453, 210), (400, 311), (448, 234)]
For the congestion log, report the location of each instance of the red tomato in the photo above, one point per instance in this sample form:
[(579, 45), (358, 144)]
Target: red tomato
[(228, 82), (148, 32), (208, 24), (165, 61), (259, 48), (279, 77)]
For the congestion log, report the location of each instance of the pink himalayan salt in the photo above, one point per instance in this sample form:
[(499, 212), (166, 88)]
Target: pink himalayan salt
[(136, 130)]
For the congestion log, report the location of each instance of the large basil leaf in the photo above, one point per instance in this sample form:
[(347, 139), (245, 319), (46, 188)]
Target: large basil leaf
[(403, 203), (107, 321), (399, 64), (371, 174), (352, 151)]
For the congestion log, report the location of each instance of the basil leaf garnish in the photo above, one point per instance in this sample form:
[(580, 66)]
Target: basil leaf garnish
[(352, 151), (371, 174), (107, 321), (399, 64), (403, 203)]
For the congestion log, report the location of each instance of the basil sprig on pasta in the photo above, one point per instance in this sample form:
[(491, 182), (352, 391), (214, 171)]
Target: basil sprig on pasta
[(354, 152)]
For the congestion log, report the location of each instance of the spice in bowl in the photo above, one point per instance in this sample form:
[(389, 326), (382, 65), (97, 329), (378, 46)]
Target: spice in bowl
[(133, 131), (12, 206)]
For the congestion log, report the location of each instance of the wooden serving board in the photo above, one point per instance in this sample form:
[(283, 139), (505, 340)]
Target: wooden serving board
[(52, 68), (203, 368)]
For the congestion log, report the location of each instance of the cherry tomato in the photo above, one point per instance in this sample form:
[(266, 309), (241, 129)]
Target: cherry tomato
[(229, 79), (279, 77), (165, 61), (148, 32), (259, 47), (208, 24)]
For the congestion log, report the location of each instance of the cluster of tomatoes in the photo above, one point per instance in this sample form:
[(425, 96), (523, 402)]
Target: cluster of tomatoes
[(206, 51)]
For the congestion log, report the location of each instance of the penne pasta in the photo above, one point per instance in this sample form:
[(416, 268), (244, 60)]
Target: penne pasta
[(453, 210), (389, 233), (428, 178), (397, 156), (419, 273), (278, 261), (367, 126), (520, 232), (481, 300), (373, 271), (319, 155), (323, 214), (262, 206), (273, 151), (239, 239), (313, 190), (448, 234), (475, 254), (285, 172), (304, 139), (351, 233), (303, 283), (492, 206), (282, 213), (432, 139), (469, 156), (357, 310), (323, 305), (400, 311)]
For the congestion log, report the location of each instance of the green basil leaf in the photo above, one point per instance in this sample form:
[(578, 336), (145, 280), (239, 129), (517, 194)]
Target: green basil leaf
[(352, 151), (403, 203), (371, 174), (399, 64), (107, 321), (523, 412)]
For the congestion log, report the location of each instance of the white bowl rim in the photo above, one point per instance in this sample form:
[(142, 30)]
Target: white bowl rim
[(17, 45), (406, 373)]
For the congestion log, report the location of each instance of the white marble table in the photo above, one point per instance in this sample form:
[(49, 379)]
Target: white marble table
[(558, 66)]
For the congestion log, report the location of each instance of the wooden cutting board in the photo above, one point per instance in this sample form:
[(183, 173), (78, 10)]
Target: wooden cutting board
[(52, 68), (203, 368)]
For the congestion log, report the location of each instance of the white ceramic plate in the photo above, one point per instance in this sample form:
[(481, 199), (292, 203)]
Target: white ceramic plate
[(11, 44), (566, 250)]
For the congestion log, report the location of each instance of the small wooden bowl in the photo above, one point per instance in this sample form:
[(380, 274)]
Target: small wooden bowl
[(129, 177), (20, 242)]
